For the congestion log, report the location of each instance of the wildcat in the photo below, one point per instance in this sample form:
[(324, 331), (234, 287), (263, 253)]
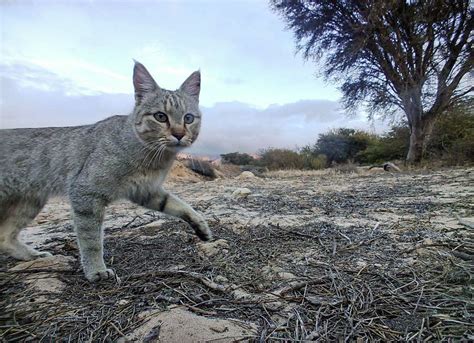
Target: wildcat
[(119, 157)]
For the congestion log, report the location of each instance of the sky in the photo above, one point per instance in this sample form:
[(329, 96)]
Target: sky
[(65, 63)]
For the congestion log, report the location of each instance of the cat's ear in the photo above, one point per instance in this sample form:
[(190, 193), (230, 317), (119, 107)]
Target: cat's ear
[(192, 85), (142, 82)]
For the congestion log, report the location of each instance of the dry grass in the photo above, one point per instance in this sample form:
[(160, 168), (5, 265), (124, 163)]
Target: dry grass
[(298, 173), (367, 280)]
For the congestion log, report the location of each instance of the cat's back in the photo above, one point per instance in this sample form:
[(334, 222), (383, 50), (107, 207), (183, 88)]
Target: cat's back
[(48, 155), (46, 142), (31, 144)]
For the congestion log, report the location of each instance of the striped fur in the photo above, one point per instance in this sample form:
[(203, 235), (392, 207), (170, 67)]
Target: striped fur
[(119, 157)]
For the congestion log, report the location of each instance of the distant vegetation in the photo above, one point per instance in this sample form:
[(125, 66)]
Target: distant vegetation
[(451, 143), (412, 57), (237, 158)]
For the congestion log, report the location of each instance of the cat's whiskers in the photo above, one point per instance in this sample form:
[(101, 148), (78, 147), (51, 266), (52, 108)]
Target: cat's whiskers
[(150, 149), (150, 161), (161, 154), (159, 146)]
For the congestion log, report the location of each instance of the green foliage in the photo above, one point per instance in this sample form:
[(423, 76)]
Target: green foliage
[(318, 162), (342, 145), (452, 138), (388, 147), (277, 159), (388, 56), (312, 160), (237, 158), (452, 143)]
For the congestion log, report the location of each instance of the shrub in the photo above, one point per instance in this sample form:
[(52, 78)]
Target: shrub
[(452, 139), (342, 144), (391, 146), (237, 158), (274, 159), (318, 162)]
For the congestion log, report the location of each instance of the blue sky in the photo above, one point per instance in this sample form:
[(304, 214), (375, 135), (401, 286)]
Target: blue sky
[(70, 63)]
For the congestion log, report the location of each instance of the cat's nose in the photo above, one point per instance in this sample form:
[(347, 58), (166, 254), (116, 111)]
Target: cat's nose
[(178, 135)]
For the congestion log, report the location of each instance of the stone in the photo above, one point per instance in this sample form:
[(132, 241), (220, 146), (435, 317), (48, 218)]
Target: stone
[(210, 249), (46, 282), (180, 325), (55, 262), (246, 175), (240, 193)]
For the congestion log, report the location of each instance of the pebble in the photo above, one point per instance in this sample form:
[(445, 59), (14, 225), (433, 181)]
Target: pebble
[(240, 193)]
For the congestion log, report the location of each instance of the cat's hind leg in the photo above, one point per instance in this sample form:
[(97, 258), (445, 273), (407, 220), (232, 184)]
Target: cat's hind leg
[(13, 218)]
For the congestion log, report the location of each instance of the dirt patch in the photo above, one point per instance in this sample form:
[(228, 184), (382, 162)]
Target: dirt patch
[(180, 173), (177, 324), (305, 256)]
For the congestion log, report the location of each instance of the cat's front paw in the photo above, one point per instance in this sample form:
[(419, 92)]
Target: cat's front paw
[(203, 231), (100, 275)]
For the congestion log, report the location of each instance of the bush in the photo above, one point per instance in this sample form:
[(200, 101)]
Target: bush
[(341, 145), (452, 139), (388, 147), (257, 170), (452, 142), (237, 158), (275, 159), (318, 162)]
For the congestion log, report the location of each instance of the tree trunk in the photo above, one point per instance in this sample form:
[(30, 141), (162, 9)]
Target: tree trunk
[(419, 139)]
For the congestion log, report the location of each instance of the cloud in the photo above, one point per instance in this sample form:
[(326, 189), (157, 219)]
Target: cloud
[(231, 80), (35, 97), (83, 77), (32, 76), (234, 126)]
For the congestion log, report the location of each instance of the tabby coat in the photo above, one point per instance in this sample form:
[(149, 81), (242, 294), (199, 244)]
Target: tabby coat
[(94, 165)]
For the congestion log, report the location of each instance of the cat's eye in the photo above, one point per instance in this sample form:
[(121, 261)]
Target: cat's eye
[(188, 118), (161, 117)]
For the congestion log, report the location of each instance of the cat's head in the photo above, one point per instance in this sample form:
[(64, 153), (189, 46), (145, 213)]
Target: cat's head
[(166, 118)]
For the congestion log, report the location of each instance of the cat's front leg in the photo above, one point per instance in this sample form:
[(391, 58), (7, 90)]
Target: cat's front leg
[(168, 203), (88, 217)]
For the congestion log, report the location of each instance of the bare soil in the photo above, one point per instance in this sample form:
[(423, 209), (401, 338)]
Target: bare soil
[(305, 256)]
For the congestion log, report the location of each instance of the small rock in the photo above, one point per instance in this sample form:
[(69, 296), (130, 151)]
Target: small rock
[(212, 248), (178, 267), (241, 295), (286, 276), (180, 325), (240, 193), (361, 264), (427, 241), (45, 283), (246, 175), (221, 279), (277, 273), (56, 262), (324, 300), (274, 305)]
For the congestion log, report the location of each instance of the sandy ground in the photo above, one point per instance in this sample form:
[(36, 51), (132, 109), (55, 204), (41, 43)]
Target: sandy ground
[(298, 256)]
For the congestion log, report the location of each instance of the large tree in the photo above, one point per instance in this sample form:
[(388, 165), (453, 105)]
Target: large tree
[(415, 56)]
